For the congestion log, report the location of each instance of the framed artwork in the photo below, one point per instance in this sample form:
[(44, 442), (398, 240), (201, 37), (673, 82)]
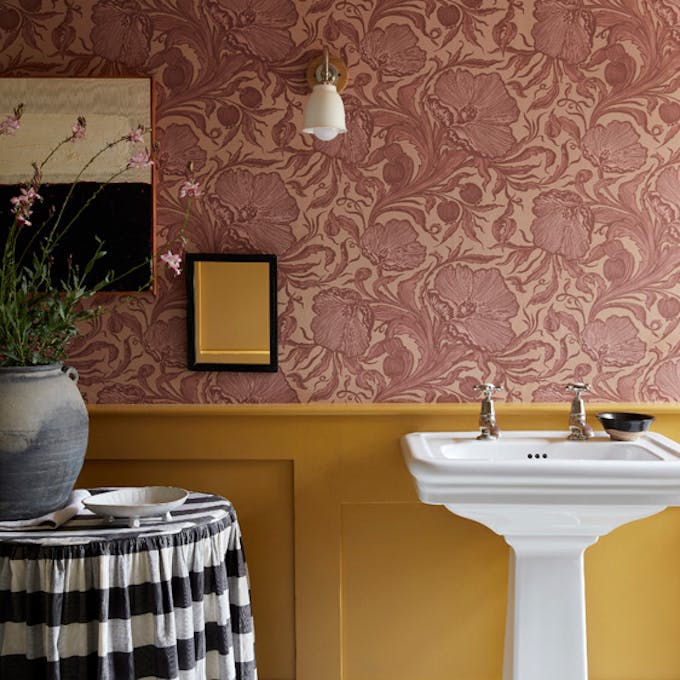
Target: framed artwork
[(122, 213), (231, 315)]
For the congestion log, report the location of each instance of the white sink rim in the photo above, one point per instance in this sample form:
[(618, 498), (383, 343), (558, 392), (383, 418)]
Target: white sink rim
[(660, 448), (443, 480)]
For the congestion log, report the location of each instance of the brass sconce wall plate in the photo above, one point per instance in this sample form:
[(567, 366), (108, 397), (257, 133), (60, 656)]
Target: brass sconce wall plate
[(337, 66), (231, 313)]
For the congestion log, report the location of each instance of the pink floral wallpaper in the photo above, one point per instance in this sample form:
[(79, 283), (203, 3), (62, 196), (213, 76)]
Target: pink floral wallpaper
[(504, 207)]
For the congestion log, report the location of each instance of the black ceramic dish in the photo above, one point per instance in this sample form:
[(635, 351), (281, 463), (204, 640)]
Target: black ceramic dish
[(625, 426)]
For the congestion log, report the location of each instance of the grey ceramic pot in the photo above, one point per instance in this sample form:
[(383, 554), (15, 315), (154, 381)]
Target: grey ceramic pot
[(43, 437)]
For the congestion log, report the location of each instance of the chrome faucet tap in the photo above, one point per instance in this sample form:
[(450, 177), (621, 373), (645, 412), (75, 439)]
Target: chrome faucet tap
[(487, 415), (578, 428)]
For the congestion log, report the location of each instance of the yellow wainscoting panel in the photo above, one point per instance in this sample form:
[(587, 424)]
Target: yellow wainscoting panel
[(434, 599), (352, 577), (633, 600)]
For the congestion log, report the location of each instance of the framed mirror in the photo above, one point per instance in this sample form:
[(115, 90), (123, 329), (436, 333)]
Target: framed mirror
[(122, 212), (231, 315)]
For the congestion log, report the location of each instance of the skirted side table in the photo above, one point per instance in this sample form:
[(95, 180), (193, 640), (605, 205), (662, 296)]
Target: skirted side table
[(99, 600)]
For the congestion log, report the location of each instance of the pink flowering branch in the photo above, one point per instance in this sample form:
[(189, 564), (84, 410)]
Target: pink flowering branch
[(137, 135), (78, 130), (23, 204), (142, 159), (173, 260), (12, 123), (189, 189), (37, 315)]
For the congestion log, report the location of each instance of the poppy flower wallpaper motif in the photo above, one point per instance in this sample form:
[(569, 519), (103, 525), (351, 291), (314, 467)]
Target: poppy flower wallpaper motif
[(393, 51), (476, 109), (121, 32), (614, 147), (475, 305), (504, 207), (393, 245), (563, 29), (258, 207), (563, 224), (257, 27)]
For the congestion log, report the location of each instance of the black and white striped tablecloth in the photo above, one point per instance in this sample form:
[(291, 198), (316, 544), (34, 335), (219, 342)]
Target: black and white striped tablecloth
[(95, 600)]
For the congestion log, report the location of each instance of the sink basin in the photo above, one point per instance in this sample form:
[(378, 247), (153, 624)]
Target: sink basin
[(550, 498), (544, 467), (548, 445)]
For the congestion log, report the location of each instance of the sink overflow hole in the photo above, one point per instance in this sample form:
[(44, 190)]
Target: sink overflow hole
[(537, 455)]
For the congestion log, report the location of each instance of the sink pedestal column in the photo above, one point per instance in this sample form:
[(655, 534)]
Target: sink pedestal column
[(545, 633)]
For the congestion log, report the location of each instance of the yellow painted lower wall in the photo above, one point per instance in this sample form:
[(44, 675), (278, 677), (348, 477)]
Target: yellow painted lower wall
[(352, 578)]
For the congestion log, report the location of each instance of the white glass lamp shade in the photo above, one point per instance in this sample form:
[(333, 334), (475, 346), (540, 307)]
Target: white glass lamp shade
[(324, 113)]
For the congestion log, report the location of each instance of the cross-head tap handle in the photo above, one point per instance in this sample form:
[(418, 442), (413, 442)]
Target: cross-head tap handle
[(578, 388), (487, 388)]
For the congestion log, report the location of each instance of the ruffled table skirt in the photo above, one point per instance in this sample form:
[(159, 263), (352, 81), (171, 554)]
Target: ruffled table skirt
[(102, 601)]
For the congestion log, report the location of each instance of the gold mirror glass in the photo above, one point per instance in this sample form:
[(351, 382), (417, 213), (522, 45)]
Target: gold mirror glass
[(231, 312)]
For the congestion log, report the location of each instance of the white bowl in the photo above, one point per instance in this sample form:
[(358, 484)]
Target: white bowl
[(137, 501)]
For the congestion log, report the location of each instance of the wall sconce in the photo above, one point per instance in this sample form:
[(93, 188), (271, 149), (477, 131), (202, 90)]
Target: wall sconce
[(325, 113)]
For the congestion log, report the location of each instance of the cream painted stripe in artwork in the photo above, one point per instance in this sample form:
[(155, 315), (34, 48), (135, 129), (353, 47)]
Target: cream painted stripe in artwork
[(112, 107)]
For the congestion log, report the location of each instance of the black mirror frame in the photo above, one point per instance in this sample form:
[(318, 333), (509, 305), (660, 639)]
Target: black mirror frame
[(193, 363)]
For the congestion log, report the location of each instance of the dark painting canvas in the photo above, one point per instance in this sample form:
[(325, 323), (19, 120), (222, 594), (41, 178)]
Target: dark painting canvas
[(121, 215)]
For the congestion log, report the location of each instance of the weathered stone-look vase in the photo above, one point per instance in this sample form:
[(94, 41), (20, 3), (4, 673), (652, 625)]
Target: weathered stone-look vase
[(43, 437)]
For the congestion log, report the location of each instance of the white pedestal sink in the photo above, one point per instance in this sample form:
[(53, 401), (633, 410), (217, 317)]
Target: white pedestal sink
[(550, 498)]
